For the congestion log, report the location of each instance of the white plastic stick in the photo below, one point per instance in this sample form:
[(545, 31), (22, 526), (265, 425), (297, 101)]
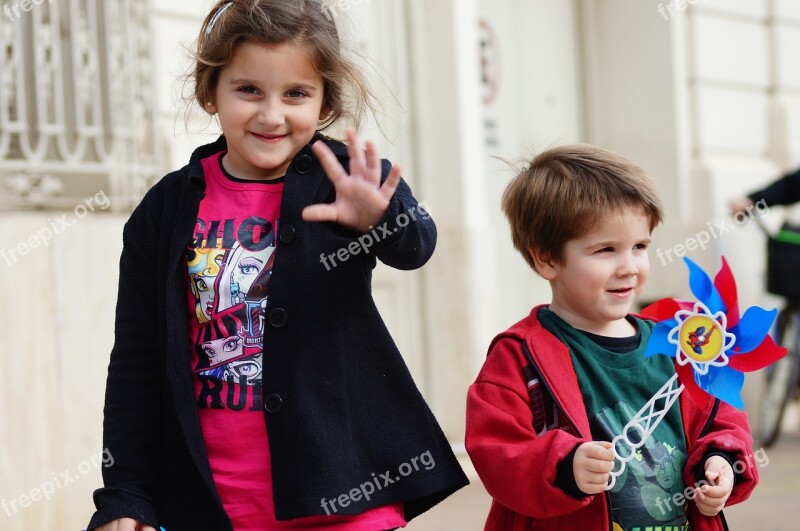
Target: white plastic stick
[(644, 424)]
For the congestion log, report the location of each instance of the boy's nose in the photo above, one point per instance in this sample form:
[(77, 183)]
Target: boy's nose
[(627, 265)]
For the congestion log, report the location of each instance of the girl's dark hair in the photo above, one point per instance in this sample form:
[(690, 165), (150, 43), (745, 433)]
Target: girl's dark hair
[(308, 23)]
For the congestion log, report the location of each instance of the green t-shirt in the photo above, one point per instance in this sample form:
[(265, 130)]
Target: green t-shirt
[(615, 385)]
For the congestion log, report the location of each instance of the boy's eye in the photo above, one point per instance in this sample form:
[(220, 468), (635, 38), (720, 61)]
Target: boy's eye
[(641, 246), (606, 250)]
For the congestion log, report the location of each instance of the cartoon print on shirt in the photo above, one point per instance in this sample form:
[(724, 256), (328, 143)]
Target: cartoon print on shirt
[(245, 273), (245, 371), (204, 266), (219, 343), (229, 283), (652, 476)]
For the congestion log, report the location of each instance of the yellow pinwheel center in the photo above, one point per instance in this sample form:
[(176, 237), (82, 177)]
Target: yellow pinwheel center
[(701, 338)]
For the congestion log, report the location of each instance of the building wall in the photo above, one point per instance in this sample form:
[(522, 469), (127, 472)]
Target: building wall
[(706, 100)]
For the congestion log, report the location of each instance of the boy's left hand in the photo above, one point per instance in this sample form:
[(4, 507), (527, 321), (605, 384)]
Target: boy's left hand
[(361, 200), (711, 498)]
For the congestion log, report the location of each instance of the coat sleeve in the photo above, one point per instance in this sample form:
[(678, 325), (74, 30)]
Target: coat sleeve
[(728, 433), (518, 468), (784, 191), (406, 233), (132, 411)]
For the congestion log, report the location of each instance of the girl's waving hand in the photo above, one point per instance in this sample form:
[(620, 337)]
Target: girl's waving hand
[(361, 199)]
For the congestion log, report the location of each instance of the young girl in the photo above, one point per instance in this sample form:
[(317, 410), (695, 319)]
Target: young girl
[(252, 383)]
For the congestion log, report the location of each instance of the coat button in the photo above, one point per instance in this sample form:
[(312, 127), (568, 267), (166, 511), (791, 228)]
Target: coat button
[(278, 317), (303, 164), (287, 233), (273, 403)]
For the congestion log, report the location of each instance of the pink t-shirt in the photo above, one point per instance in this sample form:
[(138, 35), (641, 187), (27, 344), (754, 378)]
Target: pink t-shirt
[(229, 267)]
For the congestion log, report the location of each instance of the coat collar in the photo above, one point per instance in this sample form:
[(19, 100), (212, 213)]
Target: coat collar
[(195, 171)]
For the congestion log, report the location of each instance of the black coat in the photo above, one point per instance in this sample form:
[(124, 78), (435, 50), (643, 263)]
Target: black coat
[(341, 405), (784, 191)]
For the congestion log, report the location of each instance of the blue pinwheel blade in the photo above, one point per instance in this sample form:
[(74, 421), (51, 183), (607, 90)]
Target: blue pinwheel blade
[(658, 344), (724, 383), (703, 288), (752, 328)]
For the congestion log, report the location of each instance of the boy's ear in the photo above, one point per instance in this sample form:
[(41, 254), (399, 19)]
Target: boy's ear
[(545, 265)]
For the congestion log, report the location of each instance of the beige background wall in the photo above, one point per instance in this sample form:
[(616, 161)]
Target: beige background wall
[(707, 101)]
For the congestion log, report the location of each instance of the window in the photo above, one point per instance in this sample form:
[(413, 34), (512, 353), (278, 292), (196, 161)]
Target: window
[(76, 103)]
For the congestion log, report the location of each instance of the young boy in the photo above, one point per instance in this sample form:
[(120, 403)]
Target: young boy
[(561, 382)]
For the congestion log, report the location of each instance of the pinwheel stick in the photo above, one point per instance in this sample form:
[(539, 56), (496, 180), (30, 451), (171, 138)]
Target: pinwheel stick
[(641, 427)]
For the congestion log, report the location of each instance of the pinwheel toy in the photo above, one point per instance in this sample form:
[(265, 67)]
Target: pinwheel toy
[(713, 346)]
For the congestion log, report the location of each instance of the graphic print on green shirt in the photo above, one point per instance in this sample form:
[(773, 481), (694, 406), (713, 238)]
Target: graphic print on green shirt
[(614, 386)]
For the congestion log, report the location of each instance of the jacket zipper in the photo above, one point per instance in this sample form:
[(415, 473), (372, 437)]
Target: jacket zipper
[(547, 388), (707, 425)]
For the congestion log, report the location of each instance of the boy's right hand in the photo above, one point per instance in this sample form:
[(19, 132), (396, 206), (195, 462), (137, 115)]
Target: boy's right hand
[(125, 524), (590, 466)]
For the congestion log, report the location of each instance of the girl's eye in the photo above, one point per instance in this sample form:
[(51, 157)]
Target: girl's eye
[(296, 94), (248, 89), (606, 250)]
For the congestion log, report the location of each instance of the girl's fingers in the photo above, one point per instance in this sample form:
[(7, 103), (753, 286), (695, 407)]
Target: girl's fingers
[(329, 162), (358, 165), (373, 163), (320, 212), (391, 183)]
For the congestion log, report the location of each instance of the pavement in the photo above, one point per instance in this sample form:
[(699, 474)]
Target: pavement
[(773, 506)]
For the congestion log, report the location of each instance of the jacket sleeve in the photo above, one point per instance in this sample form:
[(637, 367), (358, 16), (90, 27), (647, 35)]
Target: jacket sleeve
[(784, 191), (518, 468), (727, 433), (132, 411), (407, 233)]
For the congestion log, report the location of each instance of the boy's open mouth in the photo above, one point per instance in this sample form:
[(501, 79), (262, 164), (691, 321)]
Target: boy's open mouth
[(621, 291)]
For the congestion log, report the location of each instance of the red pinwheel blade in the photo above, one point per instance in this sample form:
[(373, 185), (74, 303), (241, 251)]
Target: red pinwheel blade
[(686, 376), (758, 358), (726, 286), (661, 310)]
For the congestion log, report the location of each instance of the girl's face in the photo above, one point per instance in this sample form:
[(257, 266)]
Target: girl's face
[(269, 102)]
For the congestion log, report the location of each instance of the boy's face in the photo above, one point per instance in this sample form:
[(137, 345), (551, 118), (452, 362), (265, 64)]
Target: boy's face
[(602, 275)]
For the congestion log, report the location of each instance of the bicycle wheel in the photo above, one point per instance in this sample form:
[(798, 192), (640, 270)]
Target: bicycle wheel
[(780, 382)]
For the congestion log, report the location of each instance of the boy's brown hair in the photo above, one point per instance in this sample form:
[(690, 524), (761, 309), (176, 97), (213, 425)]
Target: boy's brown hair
[(564, 191)]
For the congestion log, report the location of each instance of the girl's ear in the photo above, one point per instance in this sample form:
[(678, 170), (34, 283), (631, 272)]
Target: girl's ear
[(211, 108), (324, 113), (545, 265)]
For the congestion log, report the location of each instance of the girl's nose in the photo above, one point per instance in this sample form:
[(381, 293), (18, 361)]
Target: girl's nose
[(271, 113)]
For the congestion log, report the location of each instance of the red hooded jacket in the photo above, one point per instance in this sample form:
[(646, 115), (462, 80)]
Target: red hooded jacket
[(519, 468)]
